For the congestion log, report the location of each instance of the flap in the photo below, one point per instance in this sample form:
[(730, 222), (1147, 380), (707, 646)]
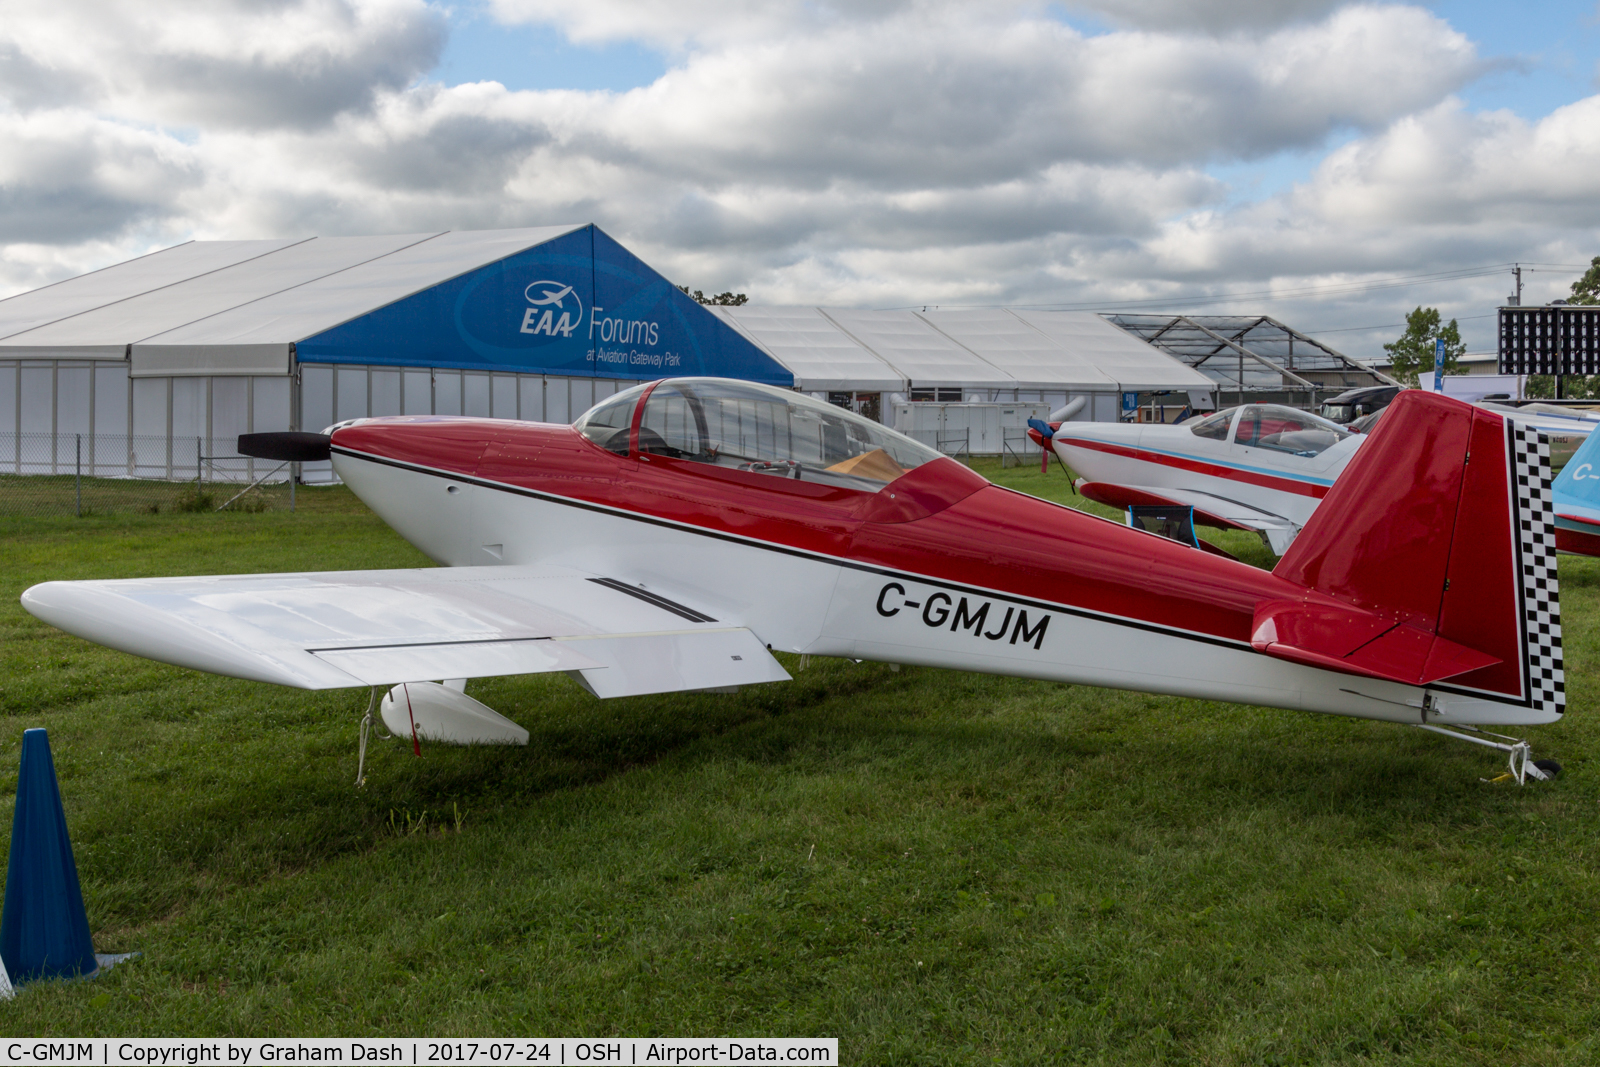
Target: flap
[(392, 664), (637, 664), (349, 628)]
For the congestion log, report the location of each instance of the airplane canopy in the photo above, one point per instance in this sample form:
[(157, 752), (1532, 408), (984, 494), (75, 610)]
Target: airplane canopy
[(754, 428)]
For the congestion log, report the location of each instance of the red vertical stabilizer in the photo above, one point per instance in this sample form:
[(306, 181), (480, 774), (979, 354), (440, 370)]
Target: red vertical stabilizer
[(1440, 533)]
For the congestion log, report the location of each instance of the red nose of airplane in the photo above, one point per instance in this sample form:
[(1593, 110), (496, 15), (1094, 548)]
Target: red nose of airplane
[(438, 441), (449, 443)]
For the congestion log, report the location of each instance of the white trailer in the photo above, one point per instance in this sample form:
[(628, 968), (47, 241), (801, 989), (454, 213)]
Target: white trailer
[(970, 429)]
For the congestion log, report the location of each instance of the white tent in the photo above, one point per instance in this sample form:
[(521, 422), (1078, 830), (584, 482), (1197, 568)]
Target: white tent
[(153, 367), (987, 354), (1037, 360), (238, 309), (124, 281), (805, 337)]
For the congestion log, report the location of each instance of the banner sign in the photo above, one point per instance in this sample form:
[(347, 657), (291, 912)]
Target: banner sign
[(580, 305)]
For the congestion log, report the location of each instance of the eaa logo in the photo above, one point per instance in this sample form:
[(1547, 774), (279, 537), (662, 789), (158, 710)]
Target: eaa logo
[(549, 300)]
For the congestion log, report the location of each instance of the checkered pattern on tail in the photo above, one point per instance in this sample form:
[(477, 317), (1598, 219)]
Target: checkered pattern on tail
[(1536, 535)]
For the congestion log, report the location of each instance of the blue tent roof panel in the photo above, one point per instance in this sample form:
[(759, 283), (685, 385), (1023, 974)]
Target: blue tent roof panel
[(579, 305)]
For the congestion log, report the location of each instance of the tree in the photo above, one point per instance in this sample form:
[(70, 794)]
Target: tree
[(1586, 290), (1412, 354), (731, 300)]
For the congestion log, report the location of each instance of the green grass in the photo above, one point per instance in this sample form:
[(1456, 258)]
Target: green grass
[(934, 867), (63, 495)]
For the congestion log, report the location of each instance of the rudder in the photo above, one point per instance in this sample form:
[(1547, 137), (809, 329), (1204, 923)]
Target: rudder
[(1442, 526)]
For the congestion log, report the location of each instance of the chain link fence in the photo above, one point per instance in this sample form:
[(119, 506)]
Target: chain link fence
[(954, 443), (43, 474), (1017, 449)]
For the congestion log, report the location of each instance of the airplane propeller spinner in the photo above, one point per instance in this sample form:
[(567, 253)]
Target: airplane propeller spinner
[(287, 446)]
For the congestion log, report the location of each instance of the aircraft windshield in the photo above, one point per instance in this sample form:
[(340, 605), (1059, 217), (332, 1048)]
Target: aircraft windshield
[(1214, 427), (1285, 429), (774, 431), (608, 422)]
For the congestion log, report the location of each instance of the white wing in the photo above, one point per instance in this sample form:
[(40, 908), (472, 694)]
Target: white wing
[(349, 628), (1223, 508), (1279, 531)]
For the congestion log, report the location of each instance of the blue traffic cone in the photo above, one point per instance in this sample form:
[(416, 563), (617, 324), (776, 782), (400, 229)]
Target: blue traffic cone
[(44, 931)]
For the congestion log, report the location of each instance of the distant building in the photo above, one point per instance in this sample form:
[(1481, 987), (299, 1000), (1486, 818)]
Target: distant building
[(1254, 357)]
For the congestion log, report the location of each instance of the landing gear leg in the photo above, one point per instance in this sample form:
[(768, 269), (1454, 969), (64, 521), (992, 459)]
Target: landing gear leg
[(366, 727), (1523, 765)]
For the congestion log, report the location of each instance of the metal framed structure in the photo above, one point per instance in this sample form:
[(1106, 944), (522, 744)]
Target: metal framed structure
[(1253, 357)]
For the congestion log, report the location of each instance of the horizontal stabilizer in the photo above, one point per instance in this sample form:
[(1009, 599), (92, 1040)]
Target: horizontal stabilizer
[(1121, 496), (1209, 510), (1349, 639)]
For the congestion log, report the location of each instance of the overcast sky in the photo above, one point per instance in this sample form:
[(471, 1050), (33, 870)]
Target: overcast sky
[(1303, 158)]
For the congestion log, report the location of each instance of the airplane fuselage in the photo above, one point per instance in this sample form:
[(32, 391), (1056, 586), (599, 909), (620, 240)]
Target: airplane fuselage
[(1272, 481), (940, 568)]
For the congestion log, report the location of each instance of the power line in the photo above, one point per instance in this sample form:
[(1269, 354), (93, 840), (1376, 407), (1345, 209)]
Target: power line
[(1391, 325), (1326, 289), (1333, 289)]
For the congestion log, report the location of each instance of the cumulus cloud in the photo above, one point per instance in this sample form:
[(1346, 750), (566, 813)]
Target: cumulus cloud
[(692, 23), (893, 151), (708, 23), (1205, 14), (1443, 189), (66, 177), (1444, 186), (973, 102), (251, 63)]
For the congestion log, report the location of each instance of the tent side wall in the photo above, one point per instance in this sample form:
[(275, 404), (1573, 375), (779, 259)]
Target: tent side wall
[(130, 427), (156, 427)]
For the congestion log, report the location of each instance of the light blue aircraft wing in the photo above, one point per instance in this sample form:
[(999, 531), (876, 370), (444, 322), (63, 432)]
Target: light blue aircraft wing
[(1577, 487)]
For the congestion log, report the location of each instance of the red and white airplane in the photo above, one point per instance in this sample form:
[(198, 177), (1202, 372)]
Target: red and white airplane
[(1258, 467), (681, 530)]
